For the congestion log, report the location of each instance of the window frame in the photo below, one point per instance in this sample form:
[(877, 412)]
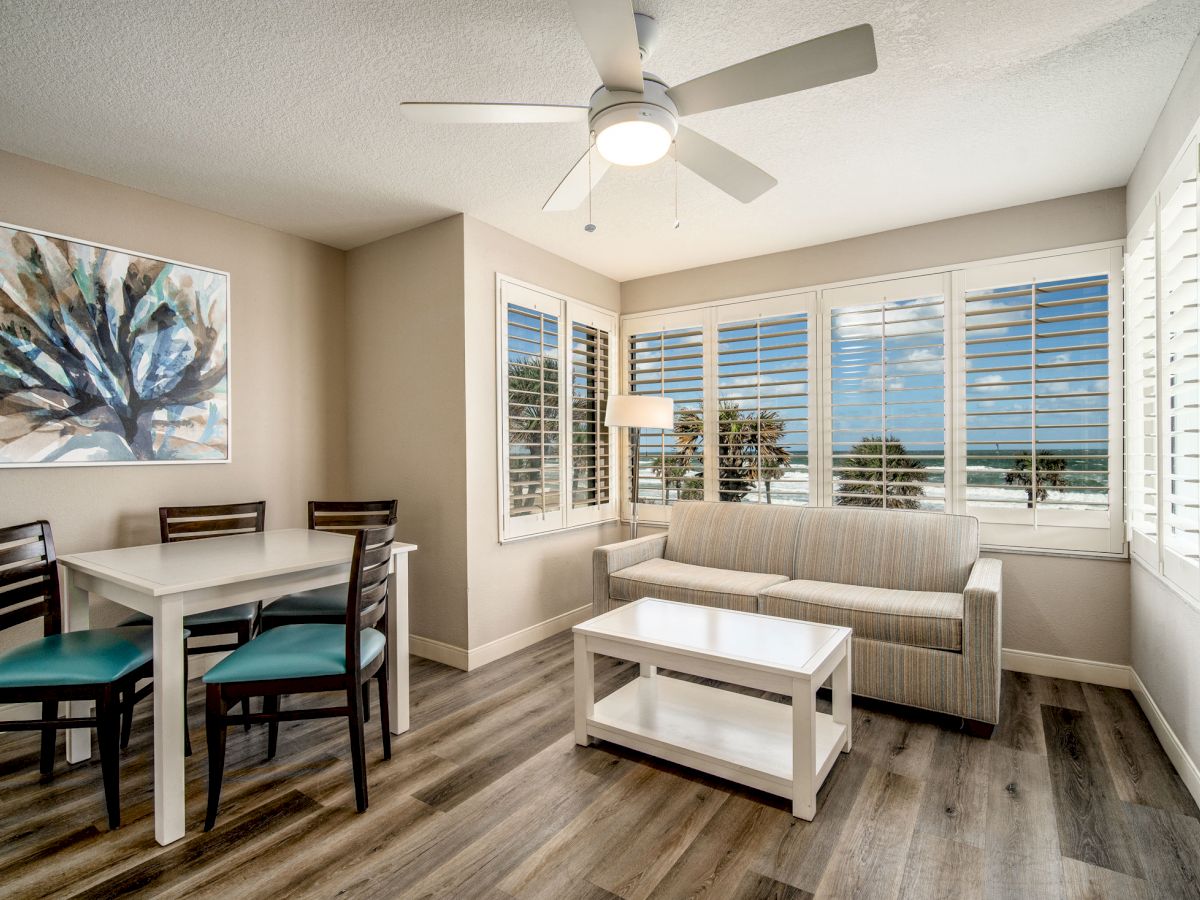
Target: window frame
[(1109, 544), (568, 312)]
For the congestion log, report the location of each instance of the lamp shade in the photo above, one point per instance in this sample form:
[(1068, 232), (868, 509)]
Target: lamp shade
[(639, 411)]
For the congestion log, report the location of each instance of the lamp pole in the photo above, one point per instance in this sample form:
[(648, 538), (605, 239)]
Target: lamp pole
[(635, 440)]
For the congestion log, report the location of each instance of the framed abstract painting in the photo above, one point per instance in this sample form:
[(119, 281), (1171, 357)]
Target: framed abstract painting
[(109, 357)]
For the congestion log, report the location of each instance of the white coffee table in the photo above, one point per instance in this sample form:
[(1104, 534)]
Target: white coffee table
[(783, 750)]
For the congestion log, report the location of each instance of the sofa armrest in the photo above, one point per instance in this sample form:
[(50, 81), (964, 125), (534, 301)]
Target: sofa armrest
[(982, 640), (614, 557)]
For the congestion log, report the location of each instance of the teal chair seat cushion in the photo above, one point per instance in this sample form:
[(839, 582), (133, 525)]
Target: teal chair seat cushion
[(326, 601), (243, 612), (96, 656), (293, 651)]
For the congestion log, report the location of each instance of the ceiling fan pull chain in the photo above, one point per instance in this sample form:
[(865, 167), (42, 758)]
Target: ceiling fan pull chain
[(590, 226)]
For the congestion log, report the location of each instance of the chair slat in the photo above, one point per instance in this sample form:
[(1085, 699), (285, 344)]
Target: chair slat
[(22, 572), (192, 522), (341, 521), (212, 526), (30, 550), (14, 533)]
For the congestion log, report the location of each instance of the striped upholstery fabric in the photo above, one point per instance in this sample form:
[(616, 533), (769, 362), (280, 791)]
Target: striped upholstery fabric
[(614, 557), (703, 586), (916, 618), (981, 642), (908, 551), (743, 537), (914, 676)]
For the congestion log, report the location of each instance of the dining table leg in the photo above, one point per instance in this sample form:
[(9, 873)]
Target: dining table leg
[(397, 643), (77, 617), (170, 720)]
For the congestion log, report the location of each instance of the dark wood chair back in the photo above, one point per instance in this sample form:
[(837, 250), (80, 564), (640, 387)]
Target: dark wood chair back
[(189, 523), (349, 516), (367, 601), (29, 587)]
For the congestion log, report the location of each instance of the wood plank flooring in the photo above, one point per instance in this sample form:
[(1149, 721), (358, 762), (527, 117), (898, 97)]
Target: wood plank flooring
[(488, 797)]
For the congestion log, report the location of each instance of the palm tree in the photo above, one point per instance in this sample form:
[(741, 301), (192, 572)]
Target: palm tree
[(532, 424), (1050, 470), (750, 448), (861, 479)]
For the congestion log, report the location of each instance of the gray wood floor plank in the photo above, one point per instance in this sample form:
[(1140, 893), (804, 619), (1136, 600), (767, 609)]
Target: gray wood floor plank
[(954, 802), (940, 869), (1021, 855), (1140, 769), (1020, 726), (1092, 825), (1084, 882), (1170, 848)]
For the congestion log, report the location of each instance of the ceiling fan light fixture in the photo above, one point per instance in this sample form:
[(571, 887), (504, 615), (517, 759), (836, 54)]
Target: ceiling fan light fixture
[(634, 134)]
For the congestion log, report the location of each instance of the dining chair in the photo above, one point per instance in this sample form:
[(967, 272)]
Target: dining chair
[(190, 523), (99, 664), (311, 658), (328, 604)]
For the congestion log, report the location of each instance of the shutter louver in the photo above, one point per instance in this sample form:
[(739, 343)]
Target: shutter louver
[(590, 445), (1141, 373), (533, 422)]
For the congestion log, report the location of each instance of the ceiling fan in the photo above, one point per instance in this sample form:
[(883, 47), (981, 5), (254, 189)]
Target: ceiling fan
[(634, 115)]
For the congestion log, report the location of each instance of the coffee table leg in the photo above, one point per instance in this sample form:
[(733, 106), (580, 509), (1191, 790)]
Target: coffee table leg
[(585, 688), (841, 695), (804, 750), (646, 670)]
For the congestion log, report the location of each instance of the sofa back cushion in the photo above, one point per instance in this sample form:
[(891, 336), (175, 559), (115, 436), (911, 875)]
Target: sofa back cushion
[(744, 537), (907, 551)]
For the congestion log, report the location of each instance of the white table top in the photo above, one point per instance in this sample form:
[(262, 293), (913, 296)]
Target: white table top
[(159, 569), (768, 643)]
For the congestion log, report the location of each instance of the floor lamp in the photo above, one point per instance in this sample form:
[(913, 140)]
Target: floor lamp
[(635, 412)]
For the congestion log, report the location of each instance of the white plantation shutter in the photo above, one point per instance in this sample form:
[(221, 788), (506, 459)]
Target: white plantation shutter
[(553, 380), (666, 358), (591, 442), (1040, 451), (1141, 375), (1179, 381), (887, 388), (763, 389)]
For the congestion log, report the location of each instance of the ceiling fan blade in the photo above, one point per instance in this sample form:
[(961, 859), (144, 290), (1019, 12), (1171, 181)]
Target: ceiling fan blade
[(573, 189), (491, 113), (824, 60), (609, 31), (738, 177)]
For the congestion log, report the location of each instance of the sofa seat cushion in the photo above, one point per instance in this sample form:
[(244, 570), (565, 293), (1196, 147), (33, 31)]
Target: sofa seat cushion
[(669, 580), (916, 618)]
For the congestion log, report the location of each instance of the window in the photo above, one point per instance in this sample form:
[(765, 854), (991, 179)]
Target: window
[(1163, 357), (887, 377), (669, 361), (762, 407), (555, 371), (990, 390)]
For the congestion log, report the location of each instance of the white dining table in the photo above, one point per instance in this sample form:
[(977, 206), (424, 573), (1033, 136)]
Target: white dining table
[(170, 581)]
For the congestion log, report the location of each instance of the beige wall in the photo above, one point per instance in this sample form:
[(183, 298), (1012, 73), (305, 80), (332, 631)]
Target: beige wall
[(1175, 122), (1082, 219), (520, 584), (288, 389), (1063, 606), (404, 297)]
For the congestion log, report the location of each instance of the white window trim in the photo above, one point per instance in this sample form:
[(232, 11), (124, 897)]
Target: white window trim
[(569, 311), (708, 311)]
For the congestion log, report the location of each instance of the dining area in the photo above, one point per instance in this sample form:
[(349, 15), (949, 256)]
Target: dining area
[(278, 625)]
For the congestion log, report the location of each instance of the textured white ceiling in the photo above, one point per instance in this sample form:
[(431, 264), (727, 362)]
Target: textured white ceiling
[(282, 112)]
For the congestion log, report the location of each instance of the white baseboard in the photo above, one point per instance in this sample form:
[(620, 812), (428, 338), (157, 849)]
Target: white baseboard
[(1087, 670), (1184, 764), (438, 651), (462, 658)]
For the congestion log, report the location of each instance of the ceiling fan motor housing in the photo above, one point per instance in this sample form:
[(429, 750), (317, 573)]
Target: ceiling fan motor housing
[(608, 108)]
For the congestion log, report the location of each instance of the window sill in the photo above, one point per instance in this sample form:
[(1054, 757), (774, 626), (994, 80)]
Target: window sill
[(517, 539), (1045, 551)]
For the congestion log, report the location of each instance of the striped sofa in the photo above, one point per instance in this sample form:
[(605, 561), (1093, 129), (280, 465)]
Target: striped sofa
[(924, 607)]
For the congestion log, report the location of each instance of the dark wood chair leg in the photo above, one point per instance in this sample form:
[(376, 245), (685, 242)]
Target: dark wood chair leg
[(49, 736), (108, 736), (214, 723), (127, 714), (385, 715), (358, 753), (271, 707), (187, 731), (244, 633), (366, 691)]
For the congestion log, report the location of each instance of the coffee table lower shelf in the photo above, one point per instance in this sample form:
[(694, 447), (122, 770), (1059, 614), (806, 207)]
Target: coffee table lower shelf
[(744, 739)]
